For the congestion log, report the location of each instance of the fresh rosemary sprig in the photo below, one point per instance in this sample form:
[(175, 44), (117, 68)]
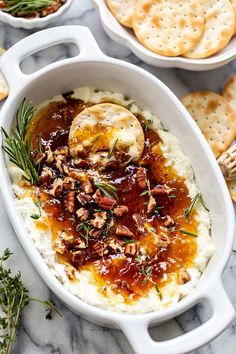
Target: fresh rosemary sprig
[(188, 233), (18, 146), (38, 205), (85, 227), (197, 198), (112, 148), (13, 299), (107, 189), (26, 6)]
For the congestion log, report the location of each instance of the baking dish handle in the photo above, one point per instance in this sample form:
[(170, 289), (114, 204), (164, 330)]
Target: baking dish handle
[(79, 35), (222, 314)]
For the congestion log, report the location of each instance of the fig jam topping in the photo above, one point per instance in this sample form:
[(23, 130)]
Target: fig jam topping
[(120, 222)]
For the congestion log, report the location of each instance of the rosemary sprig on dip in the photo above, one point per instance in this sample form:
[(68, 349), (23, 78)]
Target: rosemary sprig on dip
[(18, 146), (13, 299), (112, 148), (107, 189), (188, 233), (27, 7), (197, 198)]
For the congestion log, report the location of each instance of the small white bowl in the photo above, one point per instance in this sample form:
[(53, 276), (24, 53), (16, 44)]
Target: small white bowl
[(125, 36), (21, 22)]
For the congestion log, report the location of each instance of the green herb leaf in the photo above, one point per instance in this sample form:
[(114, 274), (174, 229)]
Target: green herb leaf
[(113, 148), (197, 198), (26, 7), (187, 233), (35, 216), (107, 189), (127, 241)]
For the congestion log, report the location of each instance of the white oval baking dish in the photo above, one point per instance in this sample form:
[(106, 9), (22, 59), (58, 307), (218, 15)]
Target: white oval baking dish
[(126, 37), (21, 22), (92, 67)]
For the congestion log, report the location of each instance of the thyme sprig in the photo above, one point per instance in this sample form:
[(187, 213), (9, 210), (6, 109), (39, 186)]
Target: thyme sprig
[(107, 189), (86, 227), (197, 198), (26, 6), (13, 299), (187, 233), (18, 146)]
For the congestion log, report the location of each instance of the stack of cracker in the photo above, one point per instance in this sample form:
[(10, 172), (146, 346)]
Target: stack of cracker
[(216, 117), (190, 28)]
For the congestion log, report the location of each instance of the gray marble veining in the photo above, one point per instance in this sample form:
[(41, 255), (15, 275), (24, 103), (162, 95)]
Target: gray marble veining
[(70, 333)]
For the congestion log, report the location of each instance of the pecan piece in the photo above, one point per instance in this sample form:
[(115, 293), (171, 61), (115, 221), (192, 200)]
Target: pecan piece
[(80, 163), (84, 198), (99, 248), (95, 232), (87, 187), (79, 244), (111, 165), (106, 203), (70, 272), (59, 246), (121, 210), (70, 201), (163, 240), (78, 257), (68, 239), (122, 230), (77, 150), (46, 176), (49, 154), (160, 190), (169, 221), (183, 276), (97, 195), (131, 249), (99, 219), (61, 164), (69, 183), (83, 214), (151, 204), (79, 176), (57, 187), (139, 222), (142, 177)]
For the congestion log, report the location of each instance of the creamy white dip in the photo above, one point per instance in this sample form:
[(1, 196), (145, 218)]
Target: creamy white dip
[(85, 286)]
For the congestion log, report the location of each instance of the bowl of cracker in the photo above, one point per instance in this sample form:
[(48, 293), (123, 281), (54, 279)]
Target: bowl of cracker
[(188, 34)]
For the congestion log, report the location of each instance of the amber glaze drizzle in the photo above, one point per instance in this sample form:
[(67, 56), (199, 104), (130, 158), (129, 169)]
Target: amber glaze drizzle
[(123, 273)]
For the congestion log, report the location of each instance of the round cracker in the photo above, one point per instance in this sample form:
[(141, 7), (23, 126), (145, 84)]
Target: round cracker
[(122, 10), (168, 27), (3, 85), (229, 92), (232, 189), (106, 131), (233, 3), (219, 28), (215, 118)]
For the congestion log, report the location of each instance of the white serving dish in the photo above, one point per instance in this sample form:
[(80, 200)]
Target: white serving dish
[(20, 22), (125, 36), (92, 67)]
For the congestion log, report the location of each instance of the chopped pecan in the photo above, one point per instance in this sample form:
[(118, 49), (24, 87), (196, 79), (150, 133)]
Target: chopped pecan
[(121, 210), (57, 187), (183, 276), (151, 204), (84, 198), (63, 150), (70, 201), (99, 219), (81, 163), (78, 257), (106, 203), (39, 158), (87, 187), (97, 195), (61, 164), (122, 230), (70, 272), (46, 176), (131, 249), (69, 183), (111, 165), (77, 150), (83, 214), (95, 232), (49, 154), (67, 238), (79, 176), (169, 221), (79, 244), (99, 247), (139, 222), (116, 245), (59, 246), (160, 190), (163, 240), (142, 177)]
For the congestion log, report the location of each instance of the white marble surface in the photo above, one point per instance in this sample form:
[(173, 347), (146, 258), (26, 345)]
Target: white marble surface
[(71, 334)]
